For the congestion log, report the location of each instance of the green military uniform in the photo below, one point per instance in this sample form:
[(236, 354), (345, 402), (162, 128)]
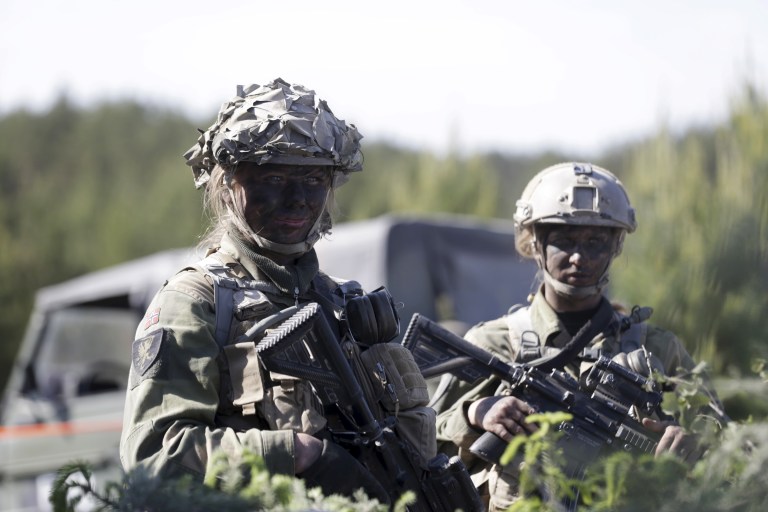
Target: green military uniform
[(453, 429), (188, 396)]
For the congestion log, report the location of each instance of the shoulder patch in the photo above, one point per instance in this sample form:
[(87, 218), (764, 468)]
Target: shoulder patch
[(145, 351)]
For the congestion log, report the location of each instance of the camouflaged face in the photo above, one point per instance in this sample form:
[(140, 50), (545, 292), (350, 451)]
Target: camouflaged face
[(276, 123)]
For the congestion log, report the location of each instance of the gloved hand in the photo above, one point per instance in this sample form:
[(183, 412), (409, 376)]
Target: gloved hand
[(337, 472)]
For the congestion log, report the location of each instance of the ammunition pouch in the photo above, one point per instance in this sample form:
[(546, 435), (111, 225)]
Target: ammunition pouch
[(394, 386), (292, 405), (394, 376)]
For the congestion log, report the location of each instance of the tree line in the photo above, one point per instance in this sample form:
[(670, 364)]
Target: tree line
[(85, 188)]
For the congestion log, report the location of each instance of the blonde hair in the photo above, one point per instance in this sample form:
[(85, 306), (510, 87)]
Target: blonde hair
[(524, 242)]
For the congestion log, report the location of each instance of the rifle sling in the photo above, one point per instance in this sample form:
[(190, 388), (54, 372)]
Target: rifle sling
[(588, 331)]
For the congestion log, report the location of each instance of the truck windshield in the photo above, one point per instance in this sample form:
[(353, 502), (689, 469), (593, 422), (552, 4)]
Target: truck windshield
[(85, 351)]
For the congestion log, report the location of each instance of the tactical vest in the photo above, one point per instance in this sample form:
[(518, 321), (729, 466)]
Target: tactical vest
[(284, 402), (287, 402)]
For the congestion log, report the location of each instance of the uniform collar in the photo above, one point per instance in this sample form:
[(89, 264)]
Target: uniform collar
[(287, 278), (551, 330)]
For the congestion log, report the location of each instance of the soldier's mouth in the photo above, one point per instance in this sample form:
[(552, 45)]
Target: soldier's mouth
[(579, 278), (292, 222)]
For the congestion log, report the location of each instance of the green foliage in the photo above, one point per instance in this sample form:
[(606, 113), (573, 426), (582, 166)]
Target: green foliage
[(730, 476), (760, 367), (540, 477), (726, 477), (396, 180), (245, 488), (700, 255)]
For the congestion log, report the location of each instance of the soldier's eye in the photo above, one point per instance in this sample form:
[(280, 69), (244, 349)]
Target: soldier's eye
[(563, 243)]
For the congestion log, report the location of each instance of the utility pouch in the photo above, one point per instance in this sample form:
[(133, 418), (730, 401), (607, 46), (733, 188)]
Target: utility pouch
[(394, 387), (395, 376), (417, 426), (372, 389), (244, 376), (292, 405)]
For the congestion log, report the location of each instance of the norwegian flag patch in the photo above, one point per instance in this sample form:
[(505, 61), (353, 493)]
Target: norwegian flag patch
[(151, 318)]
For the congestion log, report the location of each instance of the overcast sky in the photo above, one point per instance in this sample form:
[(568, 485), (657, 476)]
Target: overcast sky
[(576, 75)]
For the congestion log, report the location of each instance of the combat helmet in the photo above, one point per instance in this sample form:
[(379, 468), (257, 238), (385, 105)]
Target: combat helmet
[(277, 123), (575, 193), (572, 193)]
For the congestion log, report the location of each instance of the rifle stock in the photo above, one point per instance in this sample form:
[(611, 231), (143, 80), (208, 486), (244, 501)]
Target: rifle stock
[(601, 415), (303, 345)]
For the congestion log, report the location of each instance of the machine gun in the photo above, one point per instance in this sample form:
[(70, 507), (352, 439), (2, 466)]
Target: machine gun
[(302, 344), (601, 411)]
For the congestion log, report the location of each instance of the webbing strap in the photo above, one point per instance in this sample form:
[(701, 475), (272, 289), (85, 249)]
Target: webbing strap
[(521, 330), (224, 288)]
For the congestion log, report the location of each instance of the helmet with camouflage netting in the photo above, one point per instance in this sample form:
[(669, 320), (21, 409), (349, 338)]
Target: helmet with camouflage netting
[(277, 123)]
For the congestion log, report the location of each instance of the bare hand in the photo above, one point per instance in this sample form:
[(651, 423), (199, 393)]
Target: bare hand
[(307, 450), (674, 440), (502, 415)]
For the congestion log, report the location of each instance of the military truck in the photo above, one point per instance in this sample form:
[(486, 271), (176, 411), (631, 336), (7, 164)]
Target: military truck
[(64, 399)]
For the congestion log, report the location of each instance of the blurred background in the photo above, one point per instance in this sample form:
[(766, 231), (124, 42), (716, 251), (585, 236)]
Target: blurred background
[(460, 103)]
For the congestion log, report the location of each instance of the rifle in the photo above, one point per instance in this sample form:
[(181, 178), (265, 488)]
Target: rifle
[(303, 345), (601, 411)]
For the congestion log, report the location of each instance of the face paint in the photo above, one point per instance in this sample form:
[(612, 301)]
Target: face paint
[(578, 255), (281, 203)]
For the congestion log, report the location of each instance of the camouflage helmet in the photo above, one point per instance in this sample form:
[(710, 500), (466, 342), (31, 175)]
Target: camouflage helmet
[(576, 194), (277, 123)]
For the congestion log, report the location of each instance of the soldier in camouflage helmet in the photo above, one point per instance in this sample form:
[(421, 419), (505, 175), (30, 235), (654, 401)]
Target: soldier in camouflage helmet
[(269, 166), (571, 219)]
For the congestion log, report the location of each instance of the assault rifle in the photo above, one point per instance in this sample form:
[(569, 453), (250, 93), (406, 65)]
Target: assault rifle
[(303, 345), (601, 411)]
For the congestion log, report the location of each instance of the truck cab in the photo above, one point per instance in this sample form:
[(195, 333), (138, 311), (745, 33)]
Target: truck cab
[(64, 399)]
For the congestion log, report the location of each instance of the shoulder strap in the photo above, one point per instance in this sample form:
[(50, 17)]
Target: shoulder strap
[(521, 332), (224, 287), (339, 290)]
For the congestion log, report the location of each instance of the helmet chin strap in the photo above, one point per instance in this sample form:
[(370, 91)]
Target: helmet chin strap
[(575, 292), (287, 249)]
